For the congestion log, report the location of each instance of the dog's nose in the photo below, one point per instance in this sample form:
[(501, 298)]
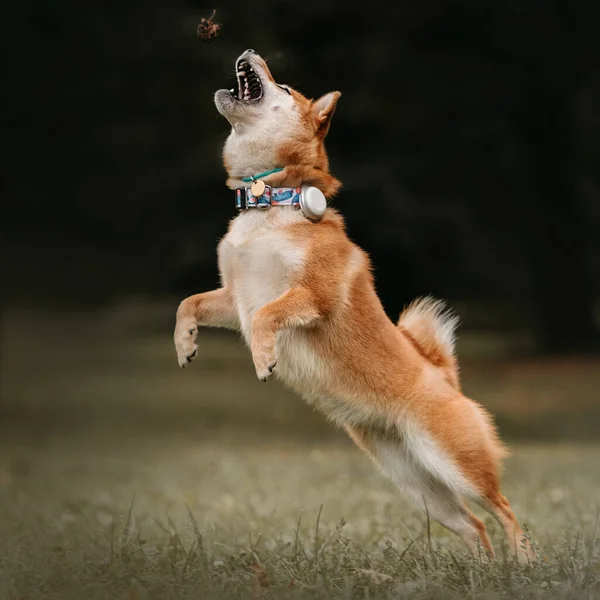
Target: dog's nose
[(250, 50)]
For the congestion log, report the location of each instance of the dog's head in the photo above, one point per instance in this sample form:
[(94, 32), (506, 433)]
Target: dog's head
[(274, 126)]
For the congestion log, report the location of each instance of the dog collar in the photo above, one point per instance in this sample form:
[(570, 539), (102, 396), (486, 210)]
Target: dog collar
[(309, 199)]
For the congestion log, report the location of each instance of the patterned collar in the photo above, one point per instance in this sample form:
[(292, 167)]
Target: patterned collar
[(309, 199), (244, 198)]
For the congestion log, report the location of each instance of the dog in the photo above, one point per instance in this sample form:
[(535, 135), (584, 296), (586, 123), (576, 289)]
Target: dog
[(302, 295)]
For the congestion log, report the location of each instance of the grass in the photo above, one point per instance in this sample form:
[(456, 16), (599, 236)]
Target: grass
[(123, 477), (178, 518)]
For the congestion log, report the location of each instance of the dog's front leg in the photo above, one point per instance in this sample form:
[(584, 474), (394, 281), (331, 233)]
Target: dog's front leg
[(295, 308), (211, 309)]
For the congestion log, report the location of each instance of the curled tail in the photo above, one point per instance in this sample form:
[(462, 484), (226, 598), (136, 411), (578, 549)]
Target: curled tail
[(430, 327)]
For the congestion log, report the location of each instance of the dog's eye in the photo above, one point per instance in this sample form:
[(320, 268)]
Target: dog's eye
[(285, 89)]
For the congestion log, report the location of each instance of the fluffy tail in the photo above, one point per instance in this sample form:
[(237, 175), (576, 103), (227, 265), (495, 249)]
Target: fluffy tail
[(428, 324)]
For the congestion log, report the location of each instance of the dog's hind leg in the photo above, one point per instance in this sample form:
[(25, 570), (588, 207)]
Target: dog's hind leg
[(433, 495), (448, 509), (497, 505)]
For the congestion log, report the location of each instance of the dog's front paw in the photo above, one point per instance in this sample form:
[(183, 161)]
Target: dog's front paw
[(264, 357), (185, 335)]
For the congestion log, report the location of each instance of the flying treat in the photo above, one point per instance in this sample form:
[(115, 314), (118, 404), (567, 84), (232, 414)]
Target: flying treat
[(208, 30)]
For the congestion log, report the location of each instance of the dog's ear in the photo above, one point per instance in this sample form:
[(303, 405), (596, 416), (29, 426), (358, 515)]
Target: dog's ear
[(323, 109)]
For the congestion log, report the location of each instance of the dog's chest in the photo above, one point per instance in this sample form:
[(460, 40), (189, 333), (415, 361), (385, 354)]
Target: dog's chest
[(258, 262)]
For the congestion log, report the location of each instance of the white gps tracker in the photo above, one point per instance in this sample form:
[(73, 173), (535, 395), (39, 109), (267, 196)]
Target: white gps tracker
[(312, 202)]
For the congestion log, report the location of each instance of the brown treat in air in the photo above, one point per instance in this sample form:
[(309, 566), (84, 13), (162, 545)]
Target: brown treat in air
[(208, 30)]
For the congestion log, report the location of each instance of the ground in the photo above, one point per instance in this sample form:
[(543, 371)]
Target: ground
[(122, 476)]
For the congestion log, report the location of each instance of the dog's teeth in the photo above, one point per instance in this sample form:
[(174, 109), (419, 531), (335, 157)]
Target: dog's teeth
[(249, 82)]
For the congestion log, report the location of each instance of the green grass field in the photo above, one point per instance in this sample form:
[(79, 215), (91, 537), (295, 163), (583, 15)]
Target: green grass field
[(123, 477)]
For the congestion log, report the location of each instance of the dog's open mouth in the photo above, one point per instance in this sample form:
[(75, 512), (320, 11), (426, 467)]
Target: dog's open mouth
[(249, 85)]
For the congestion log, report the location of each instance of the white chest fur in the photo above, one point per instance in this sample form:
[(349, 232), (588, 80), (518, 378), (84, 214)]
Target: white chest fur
[(258, 260)]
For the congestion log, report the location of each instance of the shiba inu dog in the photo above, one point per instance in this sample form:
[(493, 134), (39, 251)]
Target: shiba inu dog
[(302, 295)]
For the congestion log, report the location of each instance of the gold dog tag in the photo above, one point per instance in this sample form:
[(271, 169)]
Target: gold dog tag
[(258, 188)]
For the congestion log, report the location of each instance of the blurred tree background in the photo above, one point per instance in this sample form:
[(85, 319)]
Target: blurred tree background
[(467, 138)]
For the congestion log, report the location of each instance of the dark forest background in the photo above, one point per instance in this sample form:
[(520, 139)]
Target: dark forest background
[(467, 138)]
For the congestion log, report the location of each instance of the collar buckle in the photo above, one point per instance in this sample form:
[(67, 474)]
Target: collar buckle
[(262, 202), (245, 199)]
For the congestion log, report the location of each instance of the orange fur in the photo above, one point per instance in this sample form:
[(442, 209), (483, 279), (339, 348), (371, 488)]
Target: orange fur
[(431, 329), (303, 296)]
